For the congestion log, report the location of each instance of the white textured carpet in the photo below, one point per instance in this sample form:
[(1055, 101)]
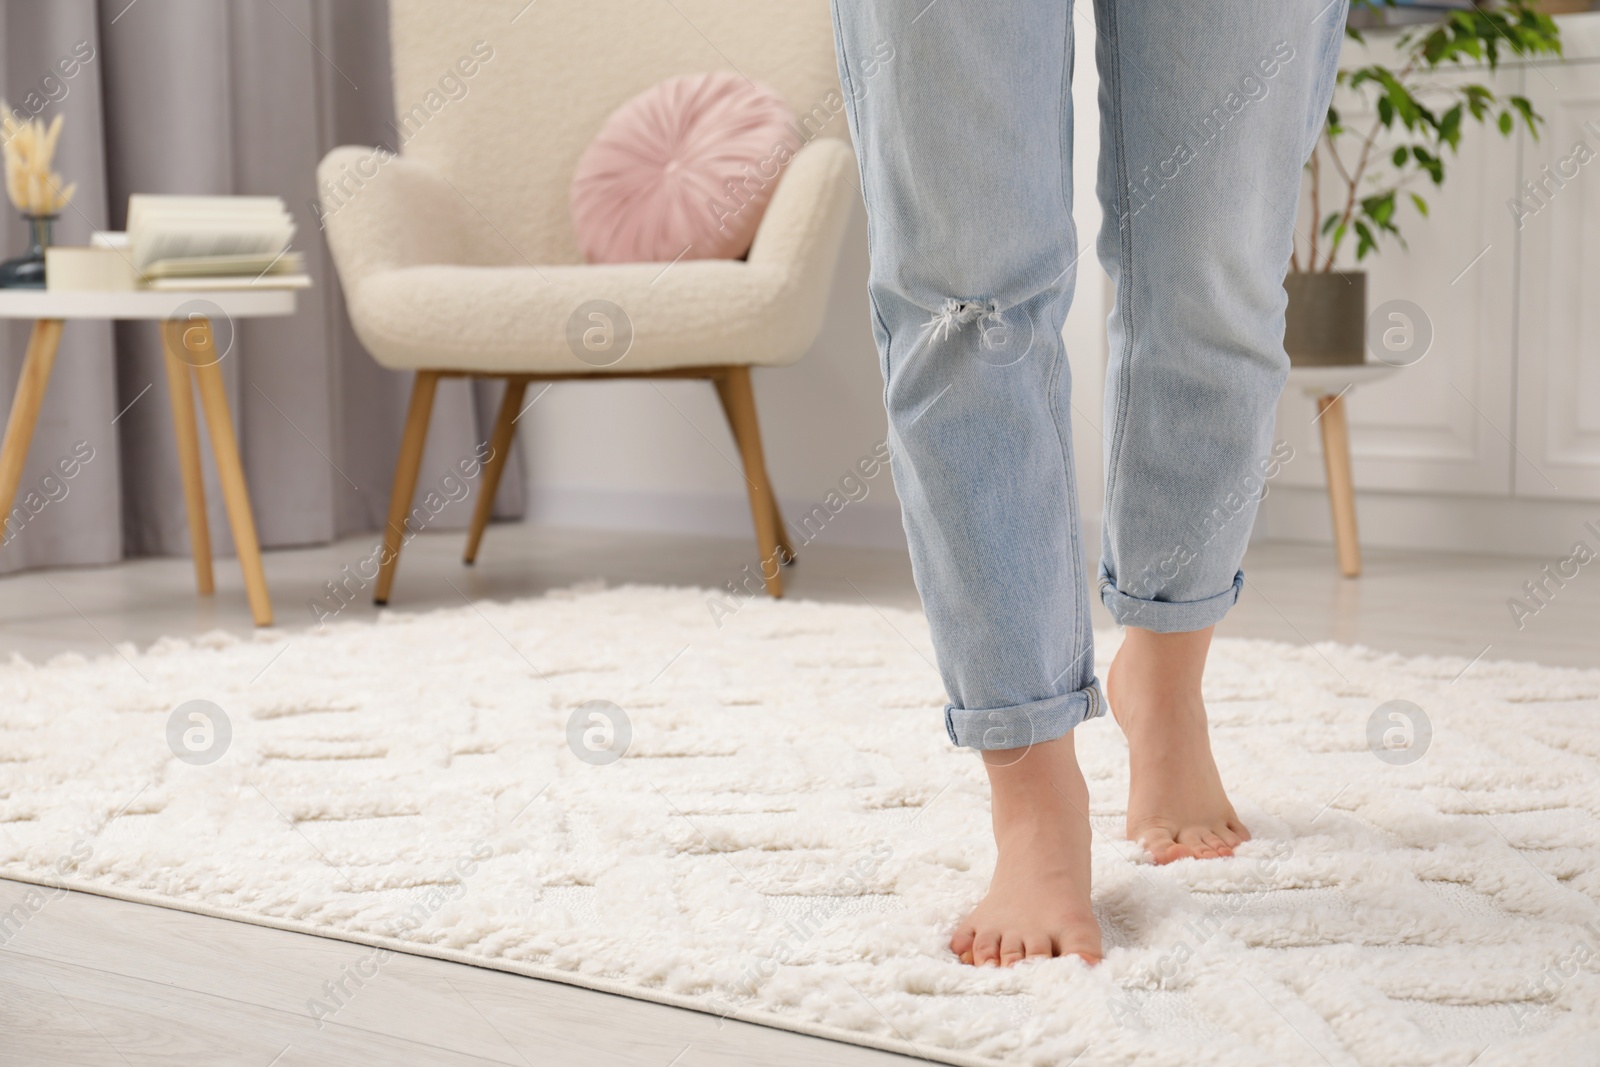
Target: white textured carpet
[(790, 837)]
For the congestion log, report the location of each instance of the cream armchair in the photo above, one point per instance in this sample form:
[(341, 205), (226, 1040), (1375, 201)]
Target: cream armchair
[(457, 258)]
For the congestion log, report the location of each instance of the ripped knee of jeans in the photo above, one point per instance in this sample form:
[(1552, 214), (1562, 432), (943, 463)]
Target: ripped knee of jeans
[(953, 314)]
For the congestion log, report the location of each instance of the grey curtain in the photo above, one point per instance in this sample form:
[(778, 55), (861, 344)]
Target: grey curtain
[(213, 96)]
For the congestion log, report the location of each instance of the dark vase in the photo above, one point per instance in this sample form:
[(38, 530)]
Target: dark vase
[(27, 270), (1326, 324)]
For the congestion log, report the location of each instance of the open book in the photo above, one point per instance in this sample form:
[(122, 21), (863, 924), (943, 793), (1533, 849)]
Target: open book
[(203, 241)]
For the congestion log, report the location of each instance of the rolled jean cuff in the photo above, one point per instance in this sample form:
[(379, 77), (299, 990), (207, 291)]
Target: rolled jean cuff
[(1021, 725), (1168, 616)]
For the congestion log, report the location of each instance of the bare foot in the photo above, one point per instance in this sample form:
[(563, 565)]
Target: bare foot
[(1177, 807), (1038, 902)]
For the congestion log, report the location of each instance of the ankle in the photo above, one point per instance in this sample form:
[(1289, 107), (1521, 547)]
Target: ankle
[(1036, 786), (1155, 699), (1165, 669)]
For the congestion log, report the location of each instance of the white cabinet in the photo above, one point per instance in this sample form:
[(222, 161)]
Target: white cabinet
[(1557, 380), (1492, 440)]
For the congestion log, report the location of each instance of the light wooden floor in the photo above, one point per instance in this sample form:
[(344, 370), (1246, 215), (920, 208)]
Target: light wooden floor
[(94, 981)]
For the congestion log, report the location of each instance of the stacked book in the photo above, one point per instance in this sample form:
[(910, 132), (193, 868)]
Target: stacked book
[(188, 242), (213, 242)]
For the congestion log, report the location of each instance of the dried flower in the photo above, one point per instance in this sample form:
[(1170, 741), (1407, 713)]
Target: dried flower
[(29, 148)]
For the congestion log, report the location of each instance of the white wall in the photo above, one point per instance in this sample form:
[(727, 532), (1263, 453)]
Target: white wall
[(658, 455)]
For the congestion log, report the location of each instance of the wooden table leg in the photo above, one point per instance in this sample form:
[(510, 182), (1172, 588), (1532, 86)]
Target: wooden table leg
[(181, 390), (25, 405), (230, 471), (1341, 487)]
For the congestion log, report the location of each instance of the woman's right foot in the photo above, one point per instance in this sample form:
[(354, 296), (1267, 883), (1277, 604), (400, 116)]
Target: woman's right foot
[(1038, 902)]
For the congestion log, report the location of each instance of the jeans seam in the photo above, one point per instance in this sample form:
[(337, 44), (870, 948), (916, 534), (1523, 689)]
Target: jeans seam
[(847, 83), (1074, 542), (888, 337), (1125, 282), (1064, 103), (1327, 77)]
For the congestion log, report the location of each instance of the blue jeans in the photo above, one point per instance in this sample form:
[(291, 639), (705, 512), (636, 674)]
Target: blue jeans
[(962, 118)]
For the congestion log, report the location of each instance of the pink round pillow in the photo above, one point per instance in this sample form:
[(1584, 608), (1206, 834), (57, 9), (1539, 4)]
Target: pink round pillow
[(684, 169)]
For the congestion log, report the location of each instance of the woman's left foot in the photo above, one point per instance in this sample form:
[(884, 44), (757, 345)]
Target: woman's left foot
[(1177, 807)]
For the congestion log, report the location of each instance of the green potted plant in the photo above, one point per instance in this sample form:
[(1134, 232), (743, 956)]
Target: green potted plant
[(1378, 166)]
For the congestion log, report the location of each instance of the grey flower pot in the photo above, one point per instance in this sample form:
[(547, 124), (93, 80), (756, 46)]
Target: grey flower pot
[(1326, 324)]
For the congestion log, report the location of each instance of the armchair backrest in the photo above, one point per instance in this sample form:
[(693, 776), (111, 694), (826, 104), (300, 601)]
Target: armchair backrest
[(502, 96)]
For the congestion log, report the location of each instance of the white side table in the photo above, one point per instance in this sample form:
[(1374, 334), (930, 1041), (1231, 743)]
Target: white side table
[(1328, 385), (189, 343)]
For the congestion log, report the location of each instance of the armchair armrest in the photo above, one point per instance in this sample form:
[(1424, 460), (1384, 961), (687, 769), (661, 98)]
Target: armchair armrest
[(805, 219), (381, 211)]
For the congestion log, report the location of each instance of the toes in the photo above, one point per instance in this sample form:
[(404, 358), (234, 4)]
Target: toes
[(1169, 851), (986, 950), (961, 942), (1011, 949), (1037, 946), (1193, 842), (1164, 847), (1082, 943), (1201, 842), (1086, 955)]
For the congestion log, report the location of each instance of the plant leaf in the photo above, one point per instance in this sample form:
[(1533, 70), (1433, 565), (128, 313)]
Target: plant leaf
[(1365, 242), (1450, 127)]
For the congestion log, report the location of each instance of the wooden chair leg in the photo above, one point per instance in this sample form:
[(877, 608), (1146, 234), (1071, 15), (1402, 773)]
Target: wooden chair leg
[(739, 404), (406, 467), (25, 404), (1341, 486), (785, 546), (230, 472), (505, 431), (181, 390)]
